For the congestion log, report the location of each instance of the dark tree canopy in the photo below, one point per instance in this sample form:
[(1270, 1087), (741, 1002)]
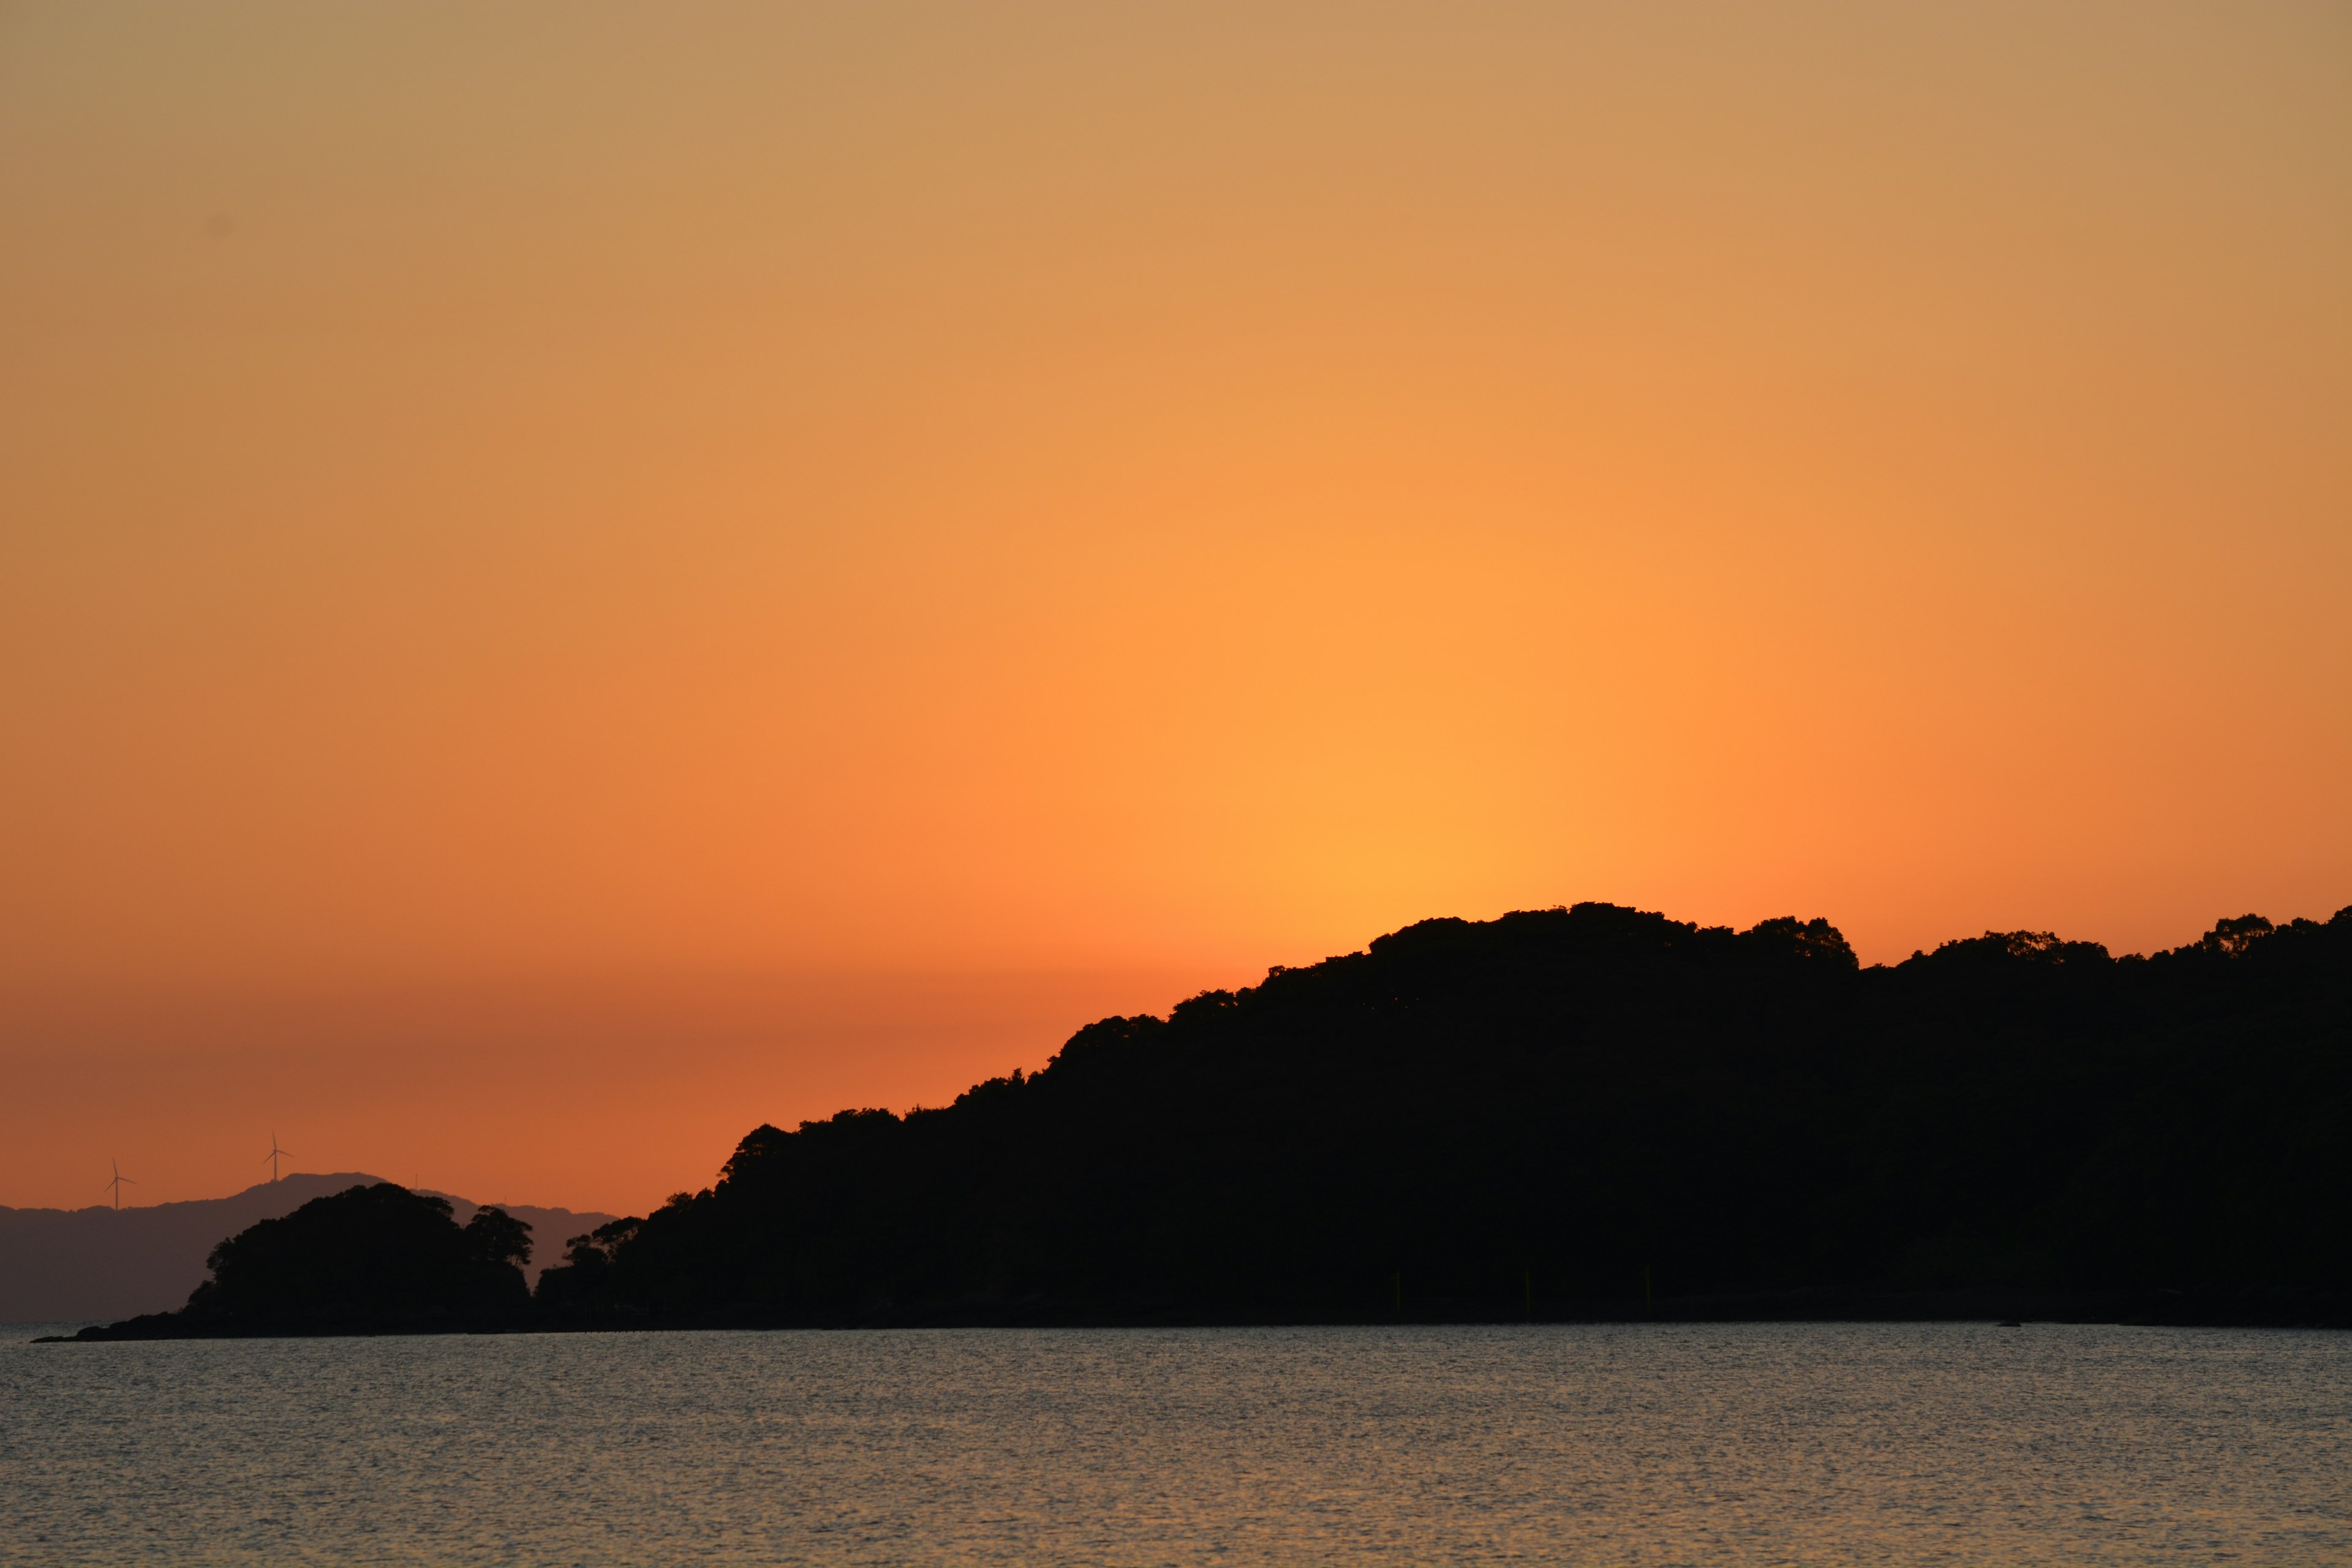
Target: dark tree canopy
[(1576, 1110), (495, 1238), (1593, 1111), (367, 1257)]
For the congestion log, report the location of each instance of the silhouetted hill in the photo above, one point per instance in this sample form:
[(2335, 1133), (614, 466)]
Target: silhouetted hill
[(1583, 1112), (66, 1265), (373, 1258), (1590, 1112)]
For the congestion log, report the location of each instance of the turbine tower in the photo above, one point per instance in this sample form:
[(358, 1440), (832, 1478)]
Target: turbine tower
[(272, 1156), (120, 1182)]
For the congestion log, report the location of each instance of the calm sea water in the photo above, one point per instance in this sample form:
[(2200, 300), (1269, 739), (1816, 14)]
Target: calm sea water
[(1750, 1444)]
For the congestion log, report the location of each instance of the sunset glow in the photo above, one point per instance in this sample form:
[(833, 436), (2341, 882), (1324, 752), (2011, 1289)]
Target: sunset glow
[(574, 579)]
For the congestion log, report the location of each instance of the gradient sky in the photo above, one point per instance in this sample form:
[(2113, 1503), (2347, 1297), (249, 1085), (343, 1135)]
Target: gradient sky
[(575, 577)]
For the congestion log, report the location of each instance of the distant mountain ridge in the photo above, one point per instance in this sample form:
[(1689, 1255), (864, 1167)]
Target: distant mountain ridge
[(71, 1265)]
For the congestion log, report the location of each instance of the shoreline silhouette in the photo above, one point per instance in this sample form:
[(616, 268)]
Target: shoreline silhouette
[(99, 1264), (1586, 1113)]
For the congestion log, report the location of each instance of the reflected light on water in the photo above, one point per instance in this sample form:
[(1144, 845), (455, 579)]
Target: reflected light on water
[(1818, 1444)]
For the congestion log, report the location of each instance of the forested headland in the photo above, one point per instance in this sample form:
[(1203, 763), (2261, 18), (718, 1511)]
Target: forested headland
[(1585, 1112)]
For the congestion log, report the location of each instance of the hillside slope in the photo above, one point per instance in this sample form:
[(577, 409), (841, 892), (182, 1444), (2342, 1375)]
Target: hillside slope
[(1593, 1111)]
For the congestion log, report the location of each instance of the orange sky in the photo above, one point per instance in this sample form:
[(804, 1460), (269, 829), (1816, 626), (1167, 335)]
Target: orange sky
[(574, 577)]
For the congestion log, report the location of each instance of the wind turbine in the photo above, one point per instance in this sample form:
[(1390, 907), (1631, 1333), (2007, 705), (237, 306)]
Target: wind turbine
[(116, 1184), (272, 1156)]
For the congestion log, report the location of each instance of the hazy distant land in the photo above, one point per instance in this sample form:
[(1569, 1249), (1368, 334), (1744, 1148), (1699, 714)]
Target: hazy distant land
[(1586, 1112)]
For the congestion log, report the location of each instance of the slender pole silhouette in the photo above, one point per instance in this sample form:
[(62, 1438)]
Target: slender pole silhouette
[(272, 1156), (120, 1180)]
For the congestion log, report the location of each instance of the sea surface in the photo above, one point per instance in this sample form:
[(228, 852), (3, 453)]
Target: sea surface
[(1749, 1444)]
